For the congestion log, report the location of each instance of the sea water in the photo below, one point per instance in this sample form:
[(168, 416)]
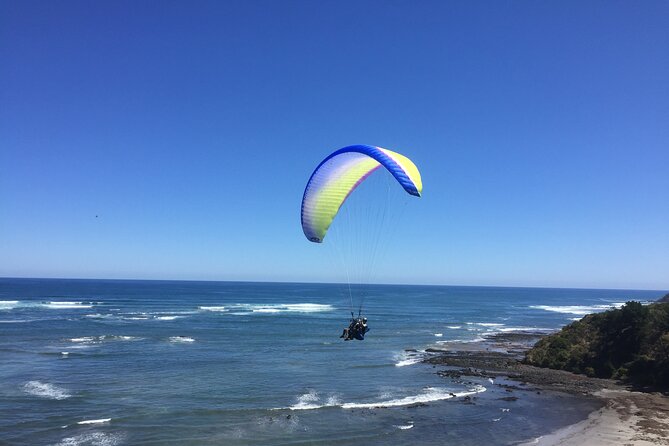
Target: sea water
[(97, 362)]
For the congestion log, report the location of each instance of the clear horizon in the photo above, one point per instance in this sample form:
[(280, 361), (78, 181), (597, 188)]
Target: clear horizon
[(174, 141), (330, 283)]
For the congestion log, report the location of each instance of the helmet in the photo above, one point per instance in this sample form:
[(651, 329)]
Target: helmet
[(364, 319)]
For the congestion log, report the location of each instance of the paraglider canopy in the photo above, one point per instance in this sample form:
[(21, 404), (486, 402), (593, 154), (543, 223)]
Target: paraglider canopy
[(337, 176)]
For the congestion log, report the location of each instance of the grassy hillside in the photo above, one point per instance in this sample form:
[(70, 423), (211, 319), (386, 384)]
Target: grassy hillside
[(631, 344)]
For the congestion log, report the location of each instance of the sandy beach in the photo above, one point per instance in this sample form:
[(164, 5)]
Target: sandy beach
[(626, 417)]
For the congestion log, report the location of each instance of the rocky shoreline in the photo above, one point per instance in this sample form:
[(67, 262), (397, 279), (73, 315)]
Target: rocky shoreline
[(624, 418)]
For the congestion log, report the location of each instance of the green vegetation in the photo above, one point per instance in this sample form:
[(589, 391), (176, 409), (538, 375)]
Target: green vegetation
[(630, 344)]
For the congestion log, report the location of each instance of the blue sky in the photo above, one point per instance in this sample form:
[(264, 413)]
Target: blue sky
[(191, 128)]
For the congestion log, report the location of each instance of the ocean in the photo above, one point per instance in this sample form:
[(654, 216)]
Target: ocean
[(111, 362)]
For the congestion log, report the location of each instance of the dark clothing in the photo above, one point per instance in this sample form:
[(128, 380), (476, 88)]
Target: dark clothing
[(356, 330)]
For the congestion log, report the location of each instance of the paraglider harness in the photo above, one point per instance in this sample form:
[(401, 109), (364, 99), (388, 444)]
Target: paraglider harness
[(356, 329)]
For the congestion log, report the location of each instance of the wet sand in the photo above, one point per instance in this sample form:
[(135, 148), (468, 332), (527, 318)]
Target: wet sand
[(625, 418)]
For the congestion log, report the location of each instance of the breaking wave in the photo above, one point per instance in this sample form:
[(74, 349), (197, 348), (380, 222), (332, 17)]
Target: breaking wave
[(103, 338), (100, 421), (8, 304), (244, 309), (54, 305), (214, 308), (45, 390), (311, 400), (430, 394), (181, 339), (580, 310), (407, 358), (92, 439)]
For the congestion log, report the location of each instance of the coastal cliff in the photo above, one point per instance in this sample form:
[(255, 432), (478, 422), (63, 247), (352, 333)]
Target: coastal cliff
[(630, 344)]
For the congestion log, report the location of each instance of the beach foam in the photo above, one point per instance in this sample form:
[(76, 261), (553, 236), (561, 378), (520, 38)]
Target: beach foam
[(580, 310), (45, 390), (404, 427)]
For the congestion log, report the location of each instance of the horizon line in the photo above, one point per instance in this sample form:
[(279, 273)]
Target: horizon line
[(328, 283)]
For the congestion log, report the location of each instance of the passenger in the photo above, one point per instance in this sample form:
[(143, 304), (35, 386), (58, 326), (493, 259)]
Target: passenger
[(356, 330)]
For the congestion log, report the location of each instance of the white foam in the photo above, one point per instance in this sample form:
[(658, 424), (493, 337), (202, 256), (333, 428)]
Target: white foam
[(98, 339), (454, 327), (406, 362), (45, 390), (66, 305), (580, 310), (311, 400), (84, 339), (92, 439), (213, 308), (430, 394), (101, 420), (438, 335), (405, 427), (8, 304), (123, 338), (307, 401), (181, 339), (166, 318), (101, 316), (489, 324), (333, 400), (462, 341), (281, 308), (525, 329), (409, 358)]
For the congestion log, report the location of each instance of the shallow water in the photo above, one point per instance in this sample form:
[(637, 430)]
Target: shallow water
[(149, 362)]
